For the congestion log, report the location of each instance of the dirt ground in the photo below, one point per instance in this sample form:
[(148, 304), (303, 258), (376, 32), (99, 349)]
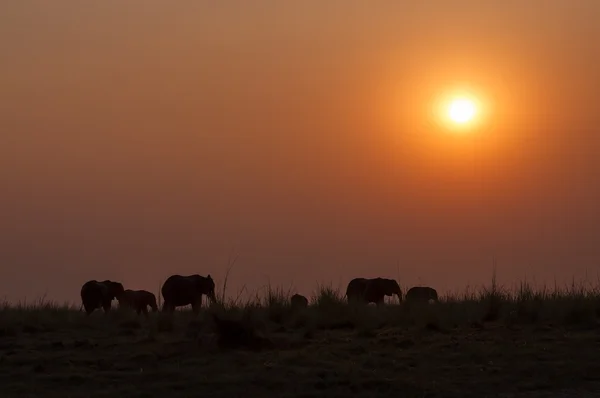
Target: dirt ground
[(104, 356)]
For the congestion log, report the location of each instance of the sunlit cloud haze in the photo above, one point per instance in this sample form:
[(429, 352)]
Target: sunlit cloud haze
[(142, 139)]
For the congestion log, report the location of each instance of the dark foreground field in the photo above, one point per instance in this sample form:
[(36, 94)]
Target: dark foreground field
[(492, 345)]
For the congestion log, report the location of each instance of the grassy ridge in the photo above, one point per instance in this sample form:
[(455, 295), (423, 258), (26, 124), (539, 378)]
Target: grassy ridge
[(479, 343), (573, 304)]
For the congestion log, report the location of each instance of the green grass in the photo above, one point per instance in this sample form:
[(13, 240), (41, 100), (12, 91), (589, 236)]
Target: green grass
[(485, 342)]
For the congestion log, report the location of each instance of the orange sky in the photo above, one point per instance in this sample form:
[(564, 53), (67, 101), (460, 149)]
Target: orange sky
[(142, 139)]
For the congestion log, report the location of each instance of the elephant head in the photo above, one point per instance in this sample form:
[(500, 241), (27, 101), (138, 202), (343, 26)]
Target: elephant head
[(206, 285), (389, 287), (114, 289)]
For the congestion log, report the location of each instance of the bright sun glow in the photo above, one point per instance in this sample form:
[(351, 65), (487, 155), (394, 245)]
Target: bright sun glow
[(462, 110)]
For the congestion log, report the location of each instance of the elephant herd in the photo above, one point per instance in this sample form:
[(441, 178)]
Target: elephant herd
[(178, 291), (374, 291)]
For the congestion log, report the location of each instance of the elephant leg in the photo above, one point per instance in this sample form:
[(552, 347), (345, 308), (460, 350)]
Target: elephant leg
[(168, 307), (88, 309), (197, 305), (106, 306)]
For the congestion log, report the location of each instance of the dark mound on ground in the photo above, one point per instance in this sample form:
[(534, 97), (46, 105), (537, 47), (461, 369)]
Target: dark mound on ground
[(234, 334)]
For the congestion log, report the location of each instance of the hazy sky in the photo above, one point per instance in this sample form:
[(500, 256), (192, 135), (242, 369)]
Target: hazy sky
[(144, 138)]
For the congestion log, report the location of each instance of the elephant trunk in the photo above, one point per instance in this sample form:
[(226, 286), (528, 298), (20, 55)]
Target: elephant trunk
[(212, 297)]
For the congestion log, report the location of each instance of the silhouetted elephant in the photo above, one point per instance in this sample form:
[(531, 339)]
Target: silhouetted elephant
[(180, 290), (422, 294), (96, 294), (138, 300), (356, 289), (372, 290), (298, 301)]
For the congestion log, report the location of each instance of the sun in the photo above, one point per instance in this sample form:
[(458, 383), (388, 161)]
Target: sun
[(462, 110)]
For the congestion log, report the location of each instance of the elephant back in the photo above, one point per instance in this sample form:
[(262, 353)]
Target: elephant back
[(422, 293), (357, 288), (105, 290), (372, 290), (173, 284), (375, 289), (298, 301), (91, 289), (138, 299), (183, 290)]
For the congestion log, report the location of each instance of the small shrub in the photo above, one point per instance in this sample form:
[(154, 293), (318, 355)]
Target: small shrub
[(579, 314), (237, 334), (300, 320), (494, 298), (8, 331), (131, 324), (433, 326), (165, 323), (327, 297), (366, 333)]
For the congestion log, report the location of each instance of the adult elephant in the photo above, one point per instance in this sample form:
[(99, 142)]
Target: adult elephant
[(180, 290), (421, 294), (138, 300), (356, 289), (372, 290), (96, 294)]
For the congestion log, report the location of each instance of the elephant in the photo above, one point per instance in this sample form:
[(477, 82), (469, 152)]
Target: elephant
[(138, 300), (421, 293), (96, 294), (372, 290), (180, 290), (356, 288), (298, 301)]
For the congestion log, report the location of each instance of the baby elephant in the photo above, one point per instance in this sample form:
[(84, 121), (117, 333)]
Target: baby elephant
[(138, 300), (421, 294), (298, 301)]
